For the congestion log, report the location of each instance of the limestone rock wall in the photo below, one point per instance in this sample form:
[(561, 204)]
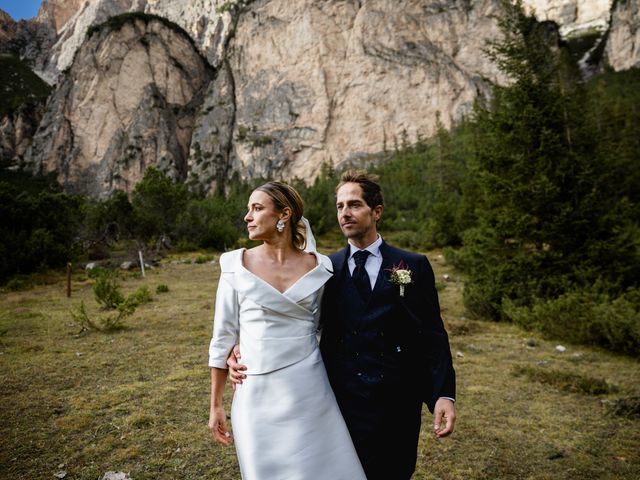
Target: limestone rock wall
[(29, 39), (58, 12), (211, 154), (206, 21), (294, 83), (8, 29), (623, 45), (17, 130), (333, 81), (128, 101), (73, 33), (573, 16)]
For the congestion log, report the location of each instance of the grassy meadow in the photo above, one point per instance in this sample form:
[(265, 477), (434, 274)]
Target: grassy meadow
[(137, 400)]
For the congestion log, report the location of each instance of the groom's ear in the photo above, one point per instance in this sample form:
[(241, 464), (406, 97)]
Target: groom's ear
[(377, 212)]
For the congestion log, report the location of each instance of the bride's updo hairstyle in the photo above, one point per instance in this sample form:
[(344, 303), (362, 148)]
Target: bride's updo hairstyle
[(283, 196)]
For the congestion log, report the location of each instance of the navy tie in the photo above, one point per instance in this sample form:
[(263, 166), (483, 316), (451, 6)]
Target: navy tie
[(360, 275)]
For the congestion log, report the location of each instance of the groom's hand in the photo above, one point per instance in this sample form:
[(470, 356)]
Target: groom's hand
[(444, 410), (235, 368)]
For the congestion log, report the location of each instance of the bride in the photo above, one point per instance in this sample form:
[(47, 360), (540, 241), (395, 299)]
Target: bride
[(286, 422)]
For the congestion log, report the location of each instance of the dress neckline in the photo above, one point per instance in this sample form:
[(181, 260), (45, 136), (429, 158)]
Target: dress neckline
[(298, 280)]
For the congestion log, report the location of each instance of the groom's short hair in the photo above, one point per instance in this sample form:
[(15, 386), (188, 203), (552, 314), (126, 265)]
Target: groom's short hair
[(371, 191)]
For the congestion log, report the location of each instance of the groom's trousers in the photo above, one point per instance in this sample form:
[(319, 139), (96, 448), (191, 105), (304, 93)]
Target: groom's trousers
[(384, 425)]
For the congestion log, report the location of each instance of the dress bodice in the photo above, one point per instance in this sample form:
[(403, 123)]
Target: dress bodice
[(275, 329)]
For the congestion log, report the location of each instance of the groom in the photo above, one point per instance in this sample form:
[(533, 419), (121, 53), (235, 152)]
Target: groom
[(385, 347)]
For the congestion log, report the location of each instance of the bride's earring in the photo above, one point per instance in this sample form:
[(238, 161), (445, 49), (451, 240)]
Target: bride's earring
[(280, 226)]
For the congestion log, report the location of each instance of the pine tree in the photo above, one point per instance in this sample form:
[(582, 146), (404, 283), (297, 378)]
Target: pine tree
[(543, 208)]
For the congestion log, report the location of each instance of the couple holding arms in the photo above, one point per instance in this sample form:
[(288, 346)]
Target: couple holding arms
[(348, 407)]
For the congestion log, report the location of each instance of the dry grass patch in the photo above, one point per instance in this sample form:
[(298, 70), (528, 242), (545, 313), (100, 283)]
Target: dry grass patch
[(137, 400)]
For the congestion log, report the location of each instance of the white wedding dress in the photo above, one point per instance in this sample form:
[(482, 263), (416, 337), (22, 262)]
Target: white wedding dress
[(285, 419)]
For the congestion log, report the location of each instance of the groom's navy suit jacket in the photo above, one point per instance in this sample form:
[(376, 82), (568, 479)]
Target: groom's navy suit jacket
[(385, 357)]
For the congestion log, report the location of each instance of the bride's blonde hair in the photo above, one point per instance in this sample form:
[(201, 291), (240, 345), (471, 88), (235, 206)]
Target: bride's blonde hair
[(284, 195)]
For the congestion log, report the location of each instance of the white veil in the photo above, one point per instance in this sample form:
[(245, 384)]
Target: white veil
[(311, 240)]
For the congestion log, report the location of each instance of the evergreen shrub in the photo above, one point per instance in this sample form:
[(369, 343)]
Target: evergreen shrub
[(140, 296), (106, 290), (585, 317)]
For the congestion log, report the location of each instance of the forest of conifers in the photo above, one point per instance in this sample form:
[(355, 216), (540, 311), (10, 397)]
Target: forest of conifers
[(534, 197)]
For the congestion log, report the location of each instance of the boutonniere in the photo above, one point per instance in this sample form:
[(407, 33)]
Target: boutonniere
[(401, 276)]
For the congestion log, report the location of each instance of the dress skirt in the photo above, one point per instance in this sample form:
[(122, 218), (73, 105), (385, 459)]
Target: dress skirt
[(287, 426)]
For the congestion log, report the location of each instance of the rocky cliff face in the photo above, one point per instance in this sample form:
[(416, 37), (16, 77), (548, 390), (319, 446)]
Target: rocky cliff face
[(73, 33), (127, 102), (623, 45), (335, 81), (210, 22), (207, 22), (295, 83), (17, 130), (58, 12), (8, 29), (22, 103), (29, 39), (573, 16)]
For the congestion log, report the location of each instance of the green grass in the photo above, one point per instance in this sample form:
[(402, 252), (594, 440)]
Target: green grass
[(19, 84), (137, 400), (568, 382)]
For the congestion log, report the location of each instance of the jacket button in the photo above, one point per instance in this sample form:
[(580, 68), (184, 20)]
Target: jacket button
[(382, 354), (359, 374), (355, 332)]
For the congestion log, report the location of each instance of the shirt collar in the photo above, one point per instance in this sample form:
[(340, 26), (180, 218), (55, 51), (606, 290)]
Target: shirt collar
[(374, 248)]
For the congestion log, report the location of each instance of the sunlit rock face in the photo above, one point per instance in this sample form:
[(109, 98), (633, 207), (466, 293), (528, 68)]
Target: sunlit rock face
[(282, 86), (58, 12), (334, 81), (128, 101), (623, 45), (204, 20), (573, 16)]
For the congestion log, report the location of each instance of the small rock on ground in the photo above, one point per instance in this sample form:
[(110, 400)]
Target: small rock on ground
[(116, 476)]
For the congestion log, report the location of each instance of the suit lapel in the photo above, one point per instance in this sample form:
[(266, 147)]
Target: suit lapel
[(389, 259)]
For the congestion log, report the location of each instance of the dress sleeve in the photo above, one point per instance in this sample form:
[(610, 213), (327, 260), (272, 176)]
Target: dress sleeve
[(225, 325)]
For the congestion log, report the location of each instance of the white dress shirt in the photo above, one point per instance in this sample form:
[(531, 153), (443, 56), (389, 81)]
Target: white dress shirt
[(374, 260)]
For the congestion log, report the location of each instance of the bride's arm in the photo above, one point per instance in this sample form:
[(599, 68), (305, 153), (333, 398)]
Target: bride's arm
[(226, 325), (225, 335), (217, 415)]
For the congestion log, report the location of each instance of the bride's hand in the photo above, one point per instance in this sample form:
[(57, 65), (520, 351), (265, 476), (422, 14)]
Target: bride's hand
[(235, 368), (218, 426)]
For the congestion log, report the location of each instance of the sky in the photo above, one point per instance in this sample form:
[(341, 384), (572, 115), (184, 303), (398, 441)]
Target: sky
[(20, 9)]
